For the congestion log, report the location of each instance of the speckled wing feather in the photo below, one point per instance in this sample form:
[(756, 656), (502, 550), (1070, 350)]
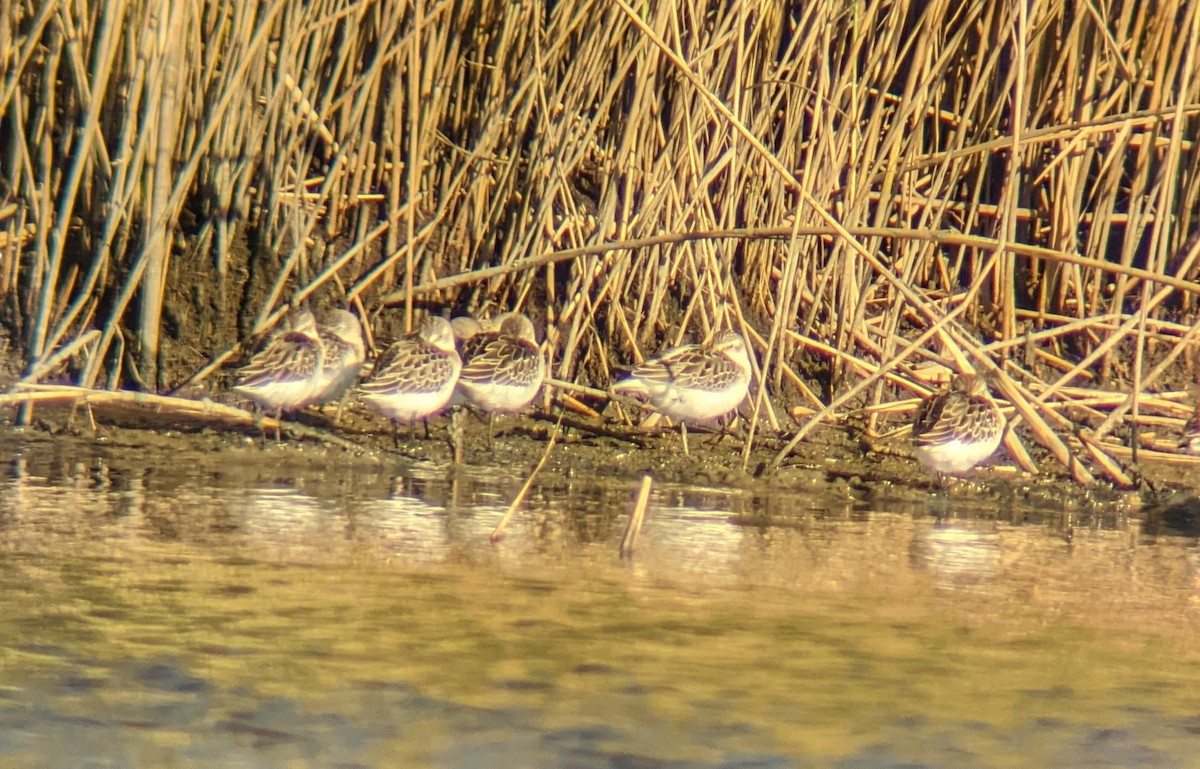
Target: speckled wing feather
[(950, 415), (499, 360), (689, 367), (982, 421), (290, 357), (336, 349), (410, 366), (931, 425), (474, 346)]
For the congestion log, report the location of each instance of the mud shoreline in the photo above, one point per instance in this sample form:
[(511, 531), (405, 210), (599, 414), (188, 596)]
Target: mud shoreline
[(831, 465)]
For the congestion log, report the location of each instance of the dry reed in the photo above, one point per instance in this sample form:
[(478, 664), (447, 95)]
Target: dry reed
[(857, 186)]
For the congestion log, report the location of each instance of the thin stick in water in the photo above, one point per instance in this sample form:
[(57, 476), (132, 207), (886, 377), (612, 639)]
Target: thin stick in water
[(512, 509), (636, 517)]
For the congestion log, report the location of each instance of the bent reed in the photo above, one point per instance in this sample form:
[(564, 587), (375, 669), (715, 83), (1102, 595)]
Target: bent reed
[(860, 189)]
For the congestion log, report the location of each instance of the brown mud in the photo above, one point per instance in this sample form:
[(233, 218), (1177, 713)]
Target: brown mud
[(832, 468)]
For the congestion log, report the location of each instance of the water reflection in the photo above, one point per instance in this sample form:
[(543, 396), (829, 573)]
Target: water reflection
[(203, 611), (962, 556)]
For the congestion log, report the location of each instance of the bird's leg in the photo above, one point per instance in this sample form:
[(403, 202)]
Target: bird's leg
[(456, 435), (341, 405), (260, 421), (683, 436), (723, 423)]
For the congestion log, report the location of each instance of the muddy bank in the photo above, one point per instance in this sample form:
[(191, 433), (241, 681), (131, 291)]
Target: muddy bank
[(832, 463), (360, 448)]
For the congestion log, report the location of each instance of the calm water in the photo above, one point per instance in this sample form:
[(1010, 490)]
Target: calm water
[(270, 609)]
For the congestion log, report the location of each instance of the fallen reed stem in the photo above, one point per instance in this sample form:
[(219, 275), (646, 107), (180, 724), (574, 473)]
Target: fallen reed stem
[(165, 406), (636, 517), (498, 532)]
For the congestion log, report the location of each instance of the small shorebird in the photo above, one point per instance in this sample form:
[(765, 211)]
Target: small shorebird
[(957, 427), (415, 377), (282, 375), (465, 327), (341, 338), (1190, 442), (693, 383), (502, 370)]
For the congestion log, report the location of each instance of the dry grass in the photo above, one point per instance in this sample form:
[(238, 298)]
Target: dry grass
[(1001, 186)]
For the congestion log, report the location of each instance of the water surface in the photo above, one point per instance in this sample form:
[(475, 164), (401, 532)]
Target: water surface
[(284, 607)]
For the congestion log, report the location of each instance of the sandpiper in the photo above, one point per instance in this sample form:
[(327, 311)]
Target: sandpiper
[(342, 339), (465, 327), (693, 383), (502, 370), (1190, 442), (415, 377), (282, 376), (957, 427)]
